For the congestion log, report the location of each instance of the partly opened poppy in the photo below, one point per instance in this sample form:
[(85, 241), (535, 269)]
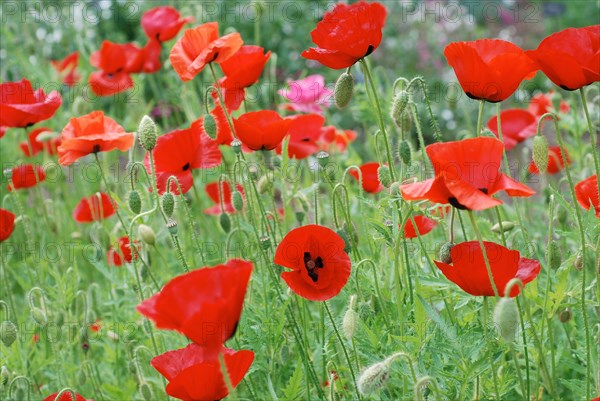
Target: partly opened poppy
[(7, 224), (320, 267), (204, 305), (570, 58), (181, 151), (555, 161), (67, 68), (163, 23), (33, 145), (115, 62), (212, 189), (307, 95), (91, 133), (423, 226), (93, 208), (200, 46), (468, 269), (346, 34), (21, 106), (489, 69), (466, 175), (517, 125), (261, 130), (586, 192), (340, 139), (195, 375), (304, 133), (121, 253), (26, 176), (370, 177), (66, 396)]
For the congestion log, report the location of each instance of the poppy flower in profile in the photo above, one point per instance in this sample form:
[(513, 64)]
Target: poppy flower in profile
[(541, 104), (212, 189), (181, 151), (517, 125), (21, 106), (67, 68), (307, 95), (304, 133), (466, 175), (7, 224), (93, 208), (370, 177), (319, 266), (224, 135), (163, 23), (26, 176), (347, 34), (115, 62), (91, 133), (33, 145), (468, 269), (242, 70), (331, 138), (489, 69), (106, 84), (66, 396), (555, 161), (261, 130), (151, 56), (204, 305), (423, 226), (195, 375), (586, 192), (570, 58), (121, 253), (200, 46)]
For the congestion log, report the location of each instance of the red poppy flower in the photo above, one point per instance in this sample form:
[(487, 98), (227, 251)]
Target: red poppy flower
[(200, 46), (330, 135), (224, 135), (113, 58), (423, 225), (469, 272), (21, 106), (33, 145), (555, 161), (517, 125), (106, 84), (212, 189), (489, 69), (121, 254), (541, 104), (163, 23), (466, 175), (66, 396), (346, 34), (570, 58), (586, 192), (67, 68), (181, 151), (93, 208), (261, 130), (304, 132), (204, 305), (91, 133), (194, 375), (26, 176), (151, 56), (370, 177), (3, 131), (320, 267), (96, 326), (241, 71), (7, 224)]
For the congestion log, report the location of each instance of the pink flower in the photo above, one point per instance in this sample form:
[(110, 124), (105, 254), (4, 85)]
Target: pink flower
[(308, 95)]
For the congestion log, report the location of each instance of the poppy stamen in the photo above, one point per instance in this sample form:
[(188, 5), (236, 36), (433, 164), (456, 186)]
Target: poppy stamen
[(454, 202), (369, 50), (484, 190), (186, 167), (312, 265), (96, 148)]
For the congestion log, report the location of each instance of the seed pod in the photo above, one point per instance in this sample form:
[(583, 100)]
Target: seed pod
[(506, 226), (146, 391), (225, 222), (344, 88), (553, 255), (506, 319), (444, 253), (237, 200), (168, 203), (39, 316), (236, 145), (210, 126), (383, 173), (8, 333), (135, 202), (540, 153), (404, 151), (148, 133), (564, 315), (300, 217), (147, 234), (373, 378), (172, 227), (323, 158)]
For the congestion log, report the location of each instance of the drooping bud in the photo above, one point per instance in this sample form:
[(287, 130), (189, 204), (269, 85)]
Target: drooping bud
[(146, 391), (236, 145), (506, 226), (540, 153), (148, 133), (564, 315), (344, 88), (404, 151), (225, 222), (168, 203), (506, 319), (237, 201), (383, 173), (373, 378), (39, 316), (323, 158), (8, 333), (146, 233), (398, 107), (553, 255), (444, 253), (172, 227), (135, 202), (350, 319), (210, 126)]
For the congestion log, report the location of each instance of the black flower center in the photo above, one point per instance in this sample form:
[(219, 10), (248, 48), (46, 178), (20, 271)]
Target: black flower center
[(96, 148), (312, 266), (484, 190), (186, 167), (369, 50), (454, 202)]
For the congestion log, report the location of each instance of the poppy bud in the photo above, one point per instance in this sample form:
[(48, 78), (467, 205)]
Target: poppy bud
[(398, 107), (147, 234), (39, 316), (83, 334), (237, 201), (225, 222), (553, 255), (444, 253), (147, 326), (486, 132), (373, 378), (323, 158), (146, 391), (85, 347), (79, 106), (394, 188), (8, 333), (404, 151), (299, 217), (342, 93), (506, 226), (148, 133), (168, 203), (210, 126), (5, 375), (540, 153), (236, 145), (60, 318), (264, 184), (112, 335), (344, 234), (383, 173), (135, 202), (506, 319), (8, 173), (578, 262), (265, 242), (350, 320), (81, 377), (564, 315)]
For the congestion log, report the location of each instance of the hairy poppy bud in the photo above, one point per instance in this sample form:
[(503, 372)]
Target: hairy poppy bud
[(79, 106), (299, 217), (237, 201), (146, 391), (506, 319), (404, 152), (506, 226), (323, 158), (486, 132), (168, 203), (147, 234), (210, 126), (236, 145), (172, 226), (373, 378), (5, 375), (540, 153), (39, 316), (398, 107), (253, 172), (148, 133), (394, 188), (553, 255), (578, 262), (444, 253), (264, 184), (350, 320), (135, 202), (8, 333), (564, 315), (225, 222), (383, 173), (344, 87)]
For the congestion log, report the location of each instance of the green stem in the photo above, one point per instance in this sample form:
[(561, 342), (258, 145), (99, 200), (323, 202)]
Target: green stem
[(480, 117), (485, 335), (485, 257)]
